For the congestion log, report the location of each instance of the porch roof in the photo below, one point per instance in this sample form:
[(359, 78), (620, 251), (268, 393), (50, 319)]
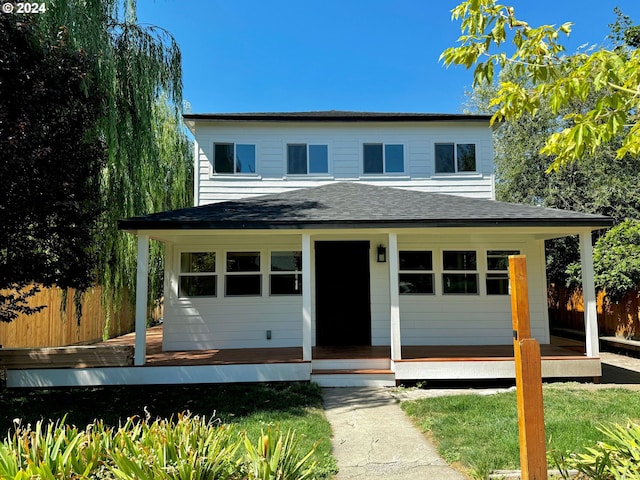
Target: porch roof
[(357, 205)]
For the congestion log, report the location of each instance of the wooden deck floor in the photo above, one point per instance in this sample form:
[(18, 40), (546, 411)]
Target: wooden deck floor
[(426, 353)]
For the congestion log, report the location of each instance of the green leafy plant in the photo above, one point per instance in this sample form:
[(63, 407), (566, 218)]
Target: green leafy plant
[(617, 458), (189, 448), (616, 258), (274, 457), (51, 451)]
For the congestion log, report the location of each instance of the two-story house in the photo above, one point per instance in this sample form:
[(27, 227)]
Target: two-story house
[(350, 248)]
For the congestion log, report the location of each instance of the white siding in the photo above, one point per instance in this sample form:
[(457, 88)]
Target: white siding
[(345, 156), (472, 319), (242, 322), (232, 322)]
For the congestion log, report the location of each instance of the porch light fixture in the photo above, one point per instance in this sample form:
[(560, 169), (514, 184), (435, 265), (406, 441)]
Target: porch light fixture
[(382, 254)]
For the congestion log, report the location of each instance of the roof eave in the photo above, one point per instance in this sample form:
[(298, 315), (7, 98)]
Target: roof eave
[(136, 225)]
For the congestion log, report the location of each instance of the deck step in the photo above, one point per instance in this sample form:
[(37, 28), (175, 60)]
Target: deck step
[(354, 377), (352, 364)]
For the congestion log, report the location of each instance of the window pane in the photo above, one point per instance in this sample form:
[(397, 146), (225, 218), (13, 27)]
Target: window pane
[(197, 262), (373, 158), (444, 158), (286, 261), (415, 260), (497, 284), (200, 286), (287, 284), (459, 260), (236, 285), (499, 260), (394, 158), (416, 283), (318, 159), (223, 158), (246, 158), (466, 157), (460, 283), (243, 262), (296, 159)]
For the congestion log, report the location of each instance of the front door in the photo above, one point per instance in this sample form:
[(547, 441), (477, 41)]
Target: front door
[(343, 299)]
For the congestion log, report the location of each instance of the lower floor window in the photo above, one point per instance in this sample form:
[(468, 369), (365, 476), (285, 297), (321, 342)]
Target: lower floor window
[(191, 286), (197, 277), (460, 283), (243, 277), (498, 271), (460, 272), (243, 285), (416, 272), (286, 273)]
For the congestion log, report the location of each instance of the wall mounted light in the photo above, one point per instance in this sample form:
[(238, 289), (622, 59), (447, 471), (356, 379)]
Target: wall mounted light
[(382, 254)]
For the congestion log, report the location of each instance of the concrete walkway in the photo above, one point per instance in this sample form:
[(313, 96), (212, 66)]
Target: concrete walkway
[(374, 439)]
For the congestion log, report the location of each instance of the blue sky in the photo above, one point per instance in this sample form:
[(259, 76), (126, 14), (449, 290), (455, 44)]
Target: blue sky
[(368, 55)]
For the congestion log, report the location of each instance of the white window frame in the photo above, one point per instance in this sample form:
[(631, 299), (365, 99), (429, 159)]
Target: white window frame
[(384, 158), (418, 272), (446, 271), (306, 145), (456, 171), (181, 274), (273, 273), (258, 273), (235, 158), (498, 274)]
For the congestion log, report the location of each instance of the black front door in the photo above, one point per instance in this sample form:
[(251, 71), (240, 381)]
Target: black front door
[(343, 299)]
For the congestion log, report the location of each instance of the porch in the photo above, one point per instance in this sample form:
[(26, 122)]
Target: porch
[(330, 366)]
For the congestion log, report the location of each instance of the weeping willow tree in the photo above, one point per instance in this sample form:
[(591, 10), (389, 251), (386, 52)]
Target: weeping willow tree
[(148, 168)]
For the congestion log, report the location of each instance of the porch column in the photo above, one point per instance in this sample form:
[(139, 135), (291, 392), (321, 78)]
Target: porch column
[(589, 295), (306, 297), (142, 286), (394, 298)]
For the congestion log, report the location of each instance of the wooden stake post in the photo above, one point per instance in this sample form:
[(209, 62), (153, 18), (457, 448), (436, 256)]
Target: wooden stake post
[(533, 452)]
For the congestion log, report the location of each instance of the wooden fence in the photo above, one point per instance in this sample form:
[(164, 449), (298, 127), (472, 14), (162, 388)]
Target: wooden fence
[(53, 326), (566, 312)]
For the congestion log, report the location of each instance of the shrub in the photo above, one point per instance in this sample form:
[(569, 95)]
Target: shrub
[(278, 458), (616, 458), (189, 447)]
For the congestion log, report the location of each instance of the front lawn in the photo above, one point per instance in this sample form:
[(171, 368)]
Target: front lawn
[(480, 433), (252, 407)]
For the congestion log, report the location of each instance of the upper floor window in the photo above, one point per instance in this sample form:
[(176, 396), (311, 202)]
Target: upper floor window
[(303, 159), (455, 157), (233, 158), (383, 158)]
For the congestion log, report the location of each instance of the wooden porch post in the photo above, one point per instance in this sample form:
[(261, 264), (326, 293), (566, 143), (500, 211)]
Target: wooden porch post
[(528, 366), (589, 295), (394, 298), (142, 286), (306, 297)]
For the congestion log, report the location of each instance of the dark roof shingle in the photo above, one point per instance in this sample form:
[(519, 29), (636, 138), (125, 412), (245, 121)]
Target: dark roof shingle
[(345, 205)]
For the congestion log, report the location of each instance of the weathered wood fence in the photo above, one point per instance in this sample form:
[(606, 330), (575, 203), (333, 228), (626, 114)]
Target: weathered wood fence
[(566, 309), (55, 326)]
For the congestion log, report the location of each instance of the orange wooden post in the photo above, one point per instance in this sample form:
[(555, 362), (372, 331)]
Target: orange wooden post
[(533, 451)]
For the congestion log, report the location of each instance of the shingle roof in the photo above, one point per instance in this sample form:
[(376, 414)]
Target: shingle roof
[(349, 205)]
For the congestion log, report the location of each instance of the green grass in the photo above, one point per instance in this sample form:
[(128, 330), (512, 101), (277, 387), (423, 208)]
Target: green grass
[(253, 407), (480, 433)]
